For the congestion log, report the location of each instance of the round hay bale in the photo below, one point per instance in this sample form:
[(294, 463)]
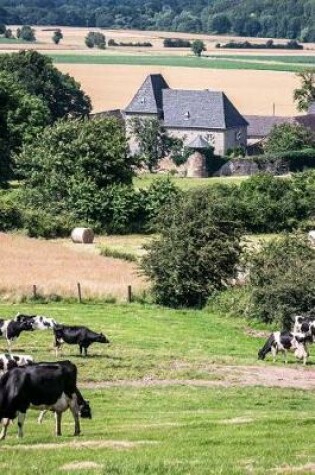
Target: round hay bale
[(82, 235)]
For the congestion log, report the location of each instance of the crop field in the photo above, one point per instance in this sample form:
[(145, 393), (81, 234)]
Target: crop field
[(256, 81), (56, 267), (176, 392)]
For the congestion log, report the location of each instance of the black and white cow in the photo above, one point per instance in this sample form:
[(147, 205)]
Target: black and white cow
[(283, 342), (42, 386), (77, 335), (9, 361), (39, 322), (11, 329), (305, 324)]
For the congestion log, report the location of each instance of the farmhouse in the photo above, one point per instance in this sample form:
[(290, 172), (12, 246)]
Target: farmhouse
[(192, 115), (259, 126)]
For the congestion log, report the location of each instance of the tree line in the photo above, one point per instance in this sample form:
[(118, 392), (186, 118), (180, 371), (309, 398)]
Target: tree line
[(284, 18)]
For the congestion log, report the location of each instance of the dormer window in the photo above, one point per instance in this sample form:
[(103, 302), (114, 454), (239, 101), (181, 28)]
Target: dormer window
[(187, 115), (142, 100)]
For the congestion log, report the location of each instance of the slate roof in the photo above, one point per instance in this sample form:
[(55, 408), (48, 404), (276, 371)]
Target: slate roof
[(199, 109), (148, 99), (260, 126)]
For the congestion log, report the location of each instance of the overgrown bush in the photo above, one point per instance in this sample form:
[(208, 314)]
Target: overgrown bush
[(197, 252), (38, 223), (10, 215), (282, 279)]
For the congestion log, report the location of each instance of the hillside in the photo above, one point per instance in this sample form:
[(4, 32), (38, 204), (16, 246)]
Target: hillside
[(262, 18)]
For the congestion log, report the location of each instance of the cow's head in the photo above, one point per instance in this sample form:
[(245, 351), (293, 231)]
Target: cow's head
[(102, 338), (20, 317), (85, 410), (261, 355), (26, 326)]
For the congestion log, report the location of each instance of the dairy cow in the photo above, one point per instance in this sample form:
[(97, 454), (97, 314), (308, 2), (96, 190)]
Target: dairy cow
[(42, 386), (77, 335)]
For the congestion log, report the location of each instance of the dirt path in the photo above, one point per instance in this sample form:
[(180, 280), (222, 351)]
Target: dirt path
[(270, 376)]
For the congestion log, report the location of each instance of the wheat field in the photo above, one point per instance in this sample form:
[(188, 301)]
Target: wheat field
[(55, 267)]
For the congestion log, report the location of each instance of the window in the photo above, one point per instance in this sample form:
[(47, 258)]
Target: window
[(187, 115)]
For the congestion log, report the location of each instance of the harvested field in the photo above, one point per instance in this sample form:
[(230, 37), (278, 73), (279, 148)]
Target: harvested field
[(56, 267), (252, 92)]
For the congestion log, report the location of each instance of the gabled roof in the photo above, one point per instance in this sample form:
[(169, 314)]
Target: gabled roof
[(199, 109), (149, 99)]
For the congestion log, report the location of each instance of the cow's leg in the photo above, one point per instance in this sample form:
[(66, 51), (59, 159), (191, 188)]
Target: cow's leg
[(85, 350), (5, 424), (9, 344), (274, 353), (285, 357), (74, 408), (81, 349), (58, 416), (41, 417), (21, 419)]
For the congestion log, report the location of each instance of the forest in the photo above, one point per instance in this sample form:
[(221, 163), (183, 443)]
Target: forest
[(294, 19)]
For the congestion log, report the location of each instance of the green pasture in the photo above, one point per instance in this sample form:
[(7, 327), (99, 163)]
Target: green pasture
[(172, 430), (147, 341), (149, 414), (307, 61), (184, 183), (176, 61)]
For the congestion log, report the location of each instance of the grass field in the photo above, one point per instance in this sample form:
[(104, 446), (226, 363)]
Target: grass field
[(307, 61), (174, 61), (168, 398), (144, 181)]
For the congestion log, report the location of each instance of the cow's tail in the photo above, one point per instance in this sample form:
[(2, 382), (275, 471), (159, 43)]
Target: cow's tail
[(266, 348)]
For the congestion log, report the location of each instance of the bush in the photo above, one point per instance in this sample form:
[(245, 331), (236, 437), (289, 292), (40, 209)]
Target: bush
[(10, 215), (196, 253), (282, 280), (38, 223), (176, 43), (287, 137)]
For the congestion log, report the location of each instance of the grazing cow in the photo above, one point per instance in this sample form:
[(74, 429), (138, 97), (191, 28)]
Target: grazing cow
[(39, 322), (10, 329), (77, 335), (9, 361), (285, 341), (42, 386)]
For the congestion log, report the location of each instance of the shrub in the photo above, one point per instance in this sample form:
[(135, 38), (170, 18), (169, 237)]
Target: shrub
[(38, 223), (196, 253), (10, 215), (282, 279)]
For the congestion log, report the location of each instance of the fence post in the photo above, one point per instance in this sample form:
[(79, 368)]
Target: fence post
[(79, 292), (129, 294), (34, 292)]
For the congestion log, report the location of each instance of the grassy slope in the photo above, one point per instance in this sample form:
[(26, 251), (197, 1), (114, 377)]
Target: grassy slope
[(171, 429), (179, 61)]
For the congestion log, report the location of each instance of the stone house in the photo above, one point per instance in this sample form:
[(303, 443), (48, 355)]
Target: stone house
[(188, 114)]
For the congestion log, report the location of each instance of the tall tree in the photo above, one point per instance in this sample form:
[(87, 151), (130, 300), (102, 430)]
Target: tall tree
[(198, 47), (60, 92), (22, 117), (305, 94)]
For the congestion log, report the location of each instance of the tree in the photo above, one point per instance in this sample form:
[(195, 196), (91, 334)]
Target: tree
[(153, 141), (305, 94), (27, 33), (289, 137), (60, 92), (57, 36), (72, 164), (94, 38), (220, 24), (198, 47), (282, 279), (196, 253), (22, 117)]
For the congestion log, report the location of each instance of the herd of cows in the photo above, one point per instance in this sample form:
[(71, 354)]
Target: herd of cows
[(43, 386), (297, 341), (52, 386)]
